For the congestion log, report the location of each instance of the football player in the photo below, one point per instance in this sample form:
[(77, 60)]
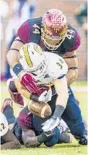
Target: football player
[(54, 34), (43, 73), (25, 132), (8, 139)]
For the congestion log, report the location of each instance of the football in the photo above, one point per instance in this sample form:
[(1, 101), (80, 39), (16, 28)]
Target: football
[(40, 109)]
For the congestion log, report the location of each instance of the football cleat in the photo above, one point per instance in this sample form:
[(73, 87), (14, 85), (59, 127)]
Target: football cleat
[(84, 140)]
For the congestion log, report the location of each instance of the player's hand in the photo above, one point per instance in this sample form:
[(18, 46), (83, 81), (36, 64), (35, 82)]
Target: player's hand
[(44, 136), (44, 97), (29, 83), (50, 124)]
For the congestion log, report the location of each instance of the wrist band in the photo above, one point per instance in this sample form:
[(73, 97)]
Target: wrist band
[(58, 111), (17, 68), (34, 97)]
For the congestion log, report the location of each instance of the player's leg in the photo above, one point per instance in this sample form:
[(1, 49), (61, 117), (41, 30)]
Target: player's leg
[(72, 116), (7, 109), (15, 95), (58, 138), (9, 141), (30, 139), (23, 122)]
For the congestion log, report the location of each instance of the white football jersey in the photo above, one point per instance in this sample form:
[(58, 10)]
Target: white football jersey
[(56, 68)]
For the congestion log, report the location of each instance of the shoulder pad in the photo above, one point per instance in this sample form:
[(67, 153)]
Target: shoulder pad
[(24, 32), (28, 29)]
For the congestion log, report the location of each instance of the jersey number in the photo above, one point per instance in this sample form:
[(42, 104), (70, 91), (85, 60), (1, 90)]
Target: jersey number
[(60, 63), (2, 126)]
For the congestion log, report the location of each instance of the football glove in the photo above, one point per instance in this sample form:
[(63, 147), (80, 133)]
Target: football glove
[(44, 97), (50, 124), (30, 83)]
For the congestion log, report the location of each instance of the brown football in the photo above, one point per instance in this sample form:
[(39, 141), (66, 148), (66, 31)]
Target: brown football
[(40, 109)]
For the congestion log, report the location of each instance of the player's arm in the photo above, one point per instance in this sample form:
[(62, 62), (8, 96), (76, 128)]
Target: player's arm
[(31, 140), (61, 102), (62, 96), (72, 62), (13, 53), (11, 142), (62, 91), (23, 36), (37, 108), (13, 59), (21, 89)]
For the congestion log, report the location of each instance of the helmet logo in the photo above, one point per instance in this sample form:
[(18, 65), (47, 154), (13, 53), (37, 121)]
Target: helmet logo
[(27, 56)]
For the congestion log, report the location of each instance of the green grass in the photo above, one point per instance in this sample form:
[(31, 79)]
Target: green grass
[(80, 83), (60, 149)]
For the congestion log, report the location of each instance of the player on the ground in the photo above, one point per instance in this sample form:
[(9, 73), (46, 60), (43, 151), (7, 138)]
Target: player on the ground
[(54, 34), (25, 132), (8, 139)]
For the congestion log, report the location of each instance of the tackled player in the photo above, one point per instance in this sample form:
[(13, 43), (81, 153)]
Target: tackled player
[(41, 74)]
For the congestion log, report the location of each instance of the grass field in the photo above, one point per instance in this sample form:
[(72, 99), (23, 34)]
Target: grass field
[(60, 149)]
